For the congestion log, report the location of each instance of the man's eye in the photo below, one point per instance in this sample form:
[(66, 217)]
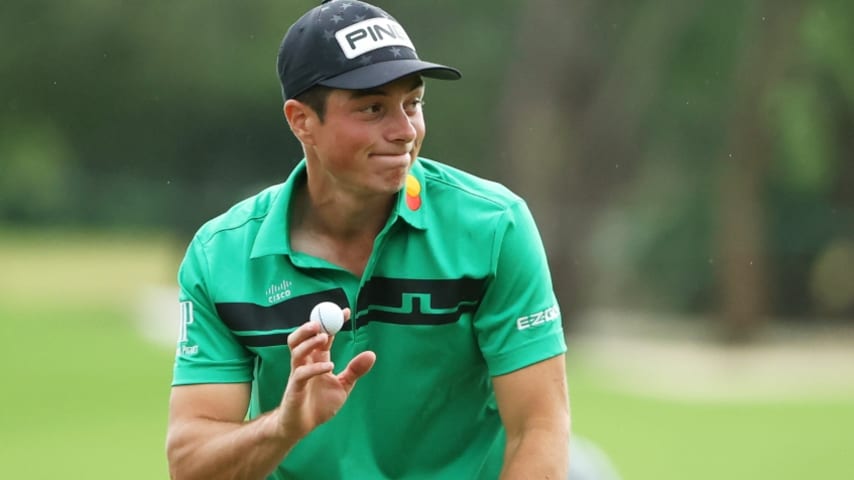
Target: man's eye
[(373, 108)]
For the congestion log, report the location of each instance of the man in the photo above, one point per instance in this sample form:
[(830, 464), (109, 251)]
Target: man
[(451, 362)]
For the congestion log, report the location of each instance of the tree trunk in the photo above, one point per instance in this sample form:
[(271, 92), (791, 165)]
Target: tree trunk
[(742, 264), (577, 87)]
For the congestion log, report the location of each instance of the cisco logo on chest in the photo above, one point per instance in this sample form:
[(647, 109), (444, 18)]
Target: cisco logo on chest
[(278, 291), (371, 34)]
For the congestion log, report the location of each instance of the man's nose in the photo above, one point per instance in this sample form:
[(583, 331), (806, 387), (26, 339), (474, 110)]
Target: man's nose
[(402, 128)]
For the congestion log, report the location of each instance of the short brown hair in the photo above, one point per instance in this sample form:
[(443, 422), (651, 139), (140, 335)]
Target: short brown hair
[(315, 97)]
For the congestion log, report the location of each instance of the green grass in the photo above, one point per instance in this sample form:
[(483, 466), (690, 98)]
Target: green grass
[(649, 438), (86, 397)]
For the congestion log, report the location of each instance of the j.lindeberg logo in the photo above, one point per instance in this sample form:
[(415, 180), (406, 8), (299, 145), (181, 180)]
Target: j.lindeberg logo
[(278, 291), (371, 34)]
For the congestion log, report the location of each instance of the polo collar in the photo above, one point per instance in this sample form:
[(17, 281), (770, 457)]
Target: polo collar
[(273, 236)]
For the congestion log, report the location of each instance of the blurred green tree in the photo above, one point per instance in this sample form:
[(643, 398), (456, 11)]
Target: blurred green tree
[(690, 157)]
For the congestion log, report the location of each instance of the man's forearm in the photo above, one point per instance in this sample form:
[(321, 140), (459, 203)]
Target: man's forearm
[(210, 449), (537, 453)]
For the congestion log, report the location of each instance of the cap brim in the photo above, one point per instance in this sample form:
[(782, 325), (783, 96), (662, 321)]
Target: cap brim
[(380, 73)]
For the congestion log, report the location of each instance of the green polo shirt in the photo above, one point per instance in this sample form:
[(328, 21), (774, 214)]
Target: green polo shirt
[(457, 290)]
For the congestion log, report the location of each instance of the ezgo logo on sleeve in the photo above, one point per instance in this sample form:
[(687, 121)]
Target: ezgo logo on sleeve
[(548, 315)]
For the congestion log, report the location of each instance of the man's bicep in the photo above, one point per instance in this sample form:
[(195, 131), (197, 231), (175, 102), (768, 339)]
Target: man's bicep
[(533, 396), (224, 402), (199, 415)]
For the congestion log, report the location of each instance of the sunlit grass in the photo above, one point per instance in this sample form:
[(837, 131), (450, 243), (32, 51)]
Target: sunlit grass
[(62, 267), (650, 438), (85, 397)]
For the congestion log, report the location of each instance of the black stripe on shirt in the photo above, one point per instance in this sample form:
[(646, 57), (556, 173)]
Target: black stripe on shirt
[(290, 314), (459, 295)]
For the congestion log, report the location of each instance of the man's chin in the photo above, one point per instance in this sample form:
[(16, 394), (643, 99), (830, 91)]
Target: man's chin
[(391, 184)]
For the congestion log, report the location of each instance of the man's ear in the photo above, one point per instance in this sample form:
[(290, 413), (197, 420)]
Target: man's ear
[(301, 119)]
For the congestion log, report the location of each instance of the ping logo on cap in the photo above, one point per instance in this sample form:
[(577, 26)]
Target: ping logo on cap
[(371, 34)]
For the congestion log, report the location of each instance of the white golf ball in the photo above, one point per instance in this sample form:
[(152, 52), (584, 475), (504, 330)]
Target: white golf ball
[(329, 316)]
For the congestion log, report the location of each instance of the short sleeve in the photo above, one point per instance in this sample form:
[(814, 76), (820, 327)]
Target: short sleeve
[(518, 323), (207, 350)]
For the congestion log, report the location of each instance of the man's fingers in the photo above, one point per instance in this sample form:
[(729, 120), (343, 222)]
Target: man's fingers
[(301, 334), (302, 374), (304, 349), (358, 366)]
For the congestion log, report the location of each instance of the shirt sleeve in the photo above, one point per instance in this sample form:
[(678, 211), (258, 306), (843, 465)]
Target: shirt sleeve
[(207, 350), (518, 323)]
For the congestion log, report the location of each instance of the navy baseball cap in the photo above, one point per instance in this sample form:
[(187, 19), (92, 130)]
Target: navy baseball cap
[(350, 45)]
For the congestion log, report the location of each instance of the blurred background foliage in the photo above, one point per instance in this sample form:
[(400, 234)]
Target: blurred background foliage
[(691, 157)]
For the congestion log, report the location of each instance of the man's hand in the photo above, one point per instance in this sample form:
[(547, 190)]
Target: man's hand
[(209, 439), (314, 394)]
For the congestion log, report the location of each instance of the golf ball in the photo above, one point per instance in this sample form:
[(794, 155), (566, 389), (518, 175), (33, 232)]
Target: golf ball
[(329, 316)]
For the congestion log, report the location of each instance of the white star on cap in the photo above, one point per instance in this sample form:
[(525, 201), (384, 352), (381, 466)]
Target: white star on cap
[(395, 51), (336, 18), (358, 18), (365, 60), (345, 6)]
